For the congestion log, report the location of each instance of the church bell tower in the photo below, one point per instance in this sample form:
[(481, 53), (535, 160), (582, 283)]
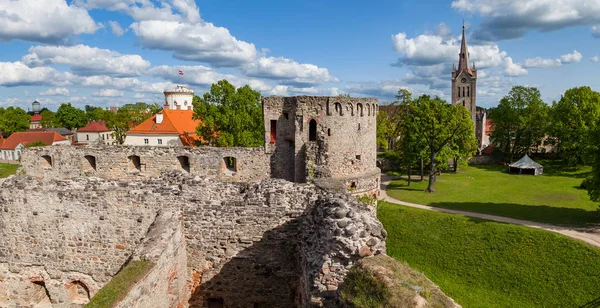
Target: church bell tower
[(464, 80)]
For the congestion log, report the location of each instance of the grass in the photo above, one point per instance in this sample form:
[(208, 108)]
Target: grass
[(487, 264), (7, 170), (554, 197), (119, 286)]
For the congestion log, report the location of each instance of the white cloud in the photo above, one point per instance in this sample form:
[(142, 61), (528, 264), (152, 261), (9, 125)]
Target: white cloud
[(538, 62), (595, 59), (18, 74), (56, 92), (109, 93), (203, 42), (147, 10), (51, 22), (385, 88), (596, 31), (288, 71), (115, 27), (86, 61), (506, 19), (283, 90), (574, 57), (513, 69)]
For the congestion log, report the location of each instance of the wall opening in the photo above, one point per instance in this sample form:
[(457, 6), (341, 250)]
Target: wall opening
[(273, 130), (312, 130), (184, 162), (91, 163), (47, 161), (458, 91), (358, 126), (329, 132), (358, 157), (38, 294), (353, 185), (78, 292), (135, 164), (286, 115), (215, 303), (338, 109), (368, 110), (230, 164), (468, 91), (360, 110)]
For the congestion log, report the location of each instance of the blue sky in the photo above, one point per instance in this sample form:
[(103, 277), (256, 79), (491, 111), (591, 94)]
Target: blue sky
[(112, 52)]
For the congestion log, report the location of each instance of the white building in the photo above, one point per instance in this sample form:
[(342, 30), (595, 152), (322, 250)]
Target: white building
[(12, 147), (95, 132), (182, 96)]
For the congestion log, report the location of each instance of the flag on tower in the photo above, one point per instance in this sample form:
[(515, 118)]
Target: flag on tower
[(180, 72)]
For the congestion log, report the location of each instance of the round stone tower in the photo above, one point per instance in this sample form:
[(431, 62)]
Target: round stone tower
[(327, 140), (179, 98)]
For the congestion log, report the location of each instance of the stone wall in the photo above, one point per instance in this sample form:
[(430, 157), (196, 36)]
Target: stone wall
[(133, 163), (271, 243)]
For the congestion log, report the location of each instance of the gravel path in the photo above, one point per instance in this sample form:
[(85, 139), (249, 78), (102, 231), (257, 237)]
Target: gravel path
[(590, 236)]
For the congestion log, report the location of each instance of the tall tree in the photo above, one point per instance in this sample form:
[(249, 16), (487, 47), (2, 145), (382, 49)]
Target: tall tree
[(127, 117), (385, 130), (48, 119), (443, 127), (70, 117), (574, 119), (13, 119), (229, 117), (520, 122)]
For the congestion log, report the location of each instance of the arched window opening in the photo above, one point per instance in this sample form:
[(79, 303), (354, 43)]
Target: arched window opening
[(47, 162), (374, 109), (338, 109), (273, 131), (463, 91), (351, 108), (458, 89), (360, 110), (135, 163), (91, 163), (38, 294), (78, 293), (312, 130), (464, 104), (368, 109), (468, 91), (329, 132), (184, 162), (230, 165)]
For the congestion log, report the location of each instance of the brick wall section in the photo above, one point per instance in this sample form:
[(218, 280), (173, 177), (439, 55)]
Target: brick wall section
[(112, 162), (246, 243)]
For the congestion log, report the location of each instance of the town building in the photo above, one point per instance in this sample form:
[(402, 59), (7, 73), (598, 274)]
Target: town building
[(172, 126), (36, 118), (68, 134), (95, 132), (12, 146)]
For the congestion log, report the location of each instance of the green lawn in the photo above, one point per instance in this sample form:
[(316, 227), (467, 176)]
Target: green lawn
[(554, 197), (6, 170), (488, 264)]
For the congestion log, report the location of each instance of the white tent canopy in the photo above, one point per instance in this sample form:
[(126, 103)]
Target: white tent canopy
[(526, 164)]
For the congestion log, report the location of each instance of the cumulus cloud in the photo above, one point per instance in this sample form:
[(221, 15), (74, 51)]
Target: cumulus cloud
[(288, 71), (513, 19), (203, 42), (87, 61), (574, 57), (53, 22), (115, 27), (595, 59), (109, 93), (18, 74), (513, 69), (56, 92), (385, 88), (171, 10), (596, 31)]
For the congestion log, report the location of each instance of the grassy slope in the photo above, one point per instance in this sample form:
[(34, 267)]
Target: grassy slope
[(553, 197), (6, 170), (117, 288), (487, 264)]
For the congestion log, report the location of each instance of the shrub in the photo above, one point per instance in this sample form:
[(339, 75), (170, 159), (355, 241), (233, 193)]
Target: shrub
[(586, 183)]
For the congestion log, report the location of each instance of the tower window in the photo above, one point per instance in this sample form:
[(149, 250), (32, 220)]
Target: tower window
[(463, 91), (312, 130), (464, 104), (184, 161), (468, 91), (273, 130), (458, 91)]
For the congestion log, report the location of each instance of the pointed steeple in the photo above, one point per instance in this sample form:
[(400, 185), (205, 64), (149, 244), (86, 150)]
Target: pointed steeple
[(463, 62)]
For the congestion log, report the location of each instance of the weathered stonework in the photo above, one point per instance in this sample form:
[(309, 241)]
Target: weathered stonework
[(272, 243)]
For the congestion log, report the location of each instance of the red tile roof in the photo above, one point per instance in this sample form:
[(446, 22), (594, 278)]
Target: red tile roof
[(94, 127), (36, 118), (25, 138), (1, 142), (175, 122)]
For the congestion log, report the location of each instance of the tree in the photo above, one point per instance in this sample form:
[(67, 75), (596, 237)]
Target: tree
[(574, 119), (48, 119), (385, 129), (229, 117), (521, 122), (13, 119), (442, 127), (35, 144), (127, 117), (70, 117)]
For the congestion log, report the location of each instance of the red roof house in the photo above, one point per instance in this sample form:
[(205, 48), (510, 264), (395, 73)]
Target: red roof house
[(94, 127), (12, 146), (95, 132), (167, 127)]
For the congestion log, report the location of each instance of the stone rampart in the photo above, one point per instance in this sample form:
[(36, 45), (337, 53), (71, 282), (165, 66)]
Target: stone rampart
[(272, 243), (135, 162)]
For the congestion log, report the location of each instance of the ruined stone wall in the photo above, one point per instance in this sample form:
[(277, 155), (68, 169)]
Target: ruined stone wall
[(120, 162), (246, 244)]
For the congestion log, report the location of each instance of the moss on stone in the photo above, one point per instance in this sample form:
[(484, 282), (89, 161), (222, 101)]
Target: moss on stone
[(119, 286)]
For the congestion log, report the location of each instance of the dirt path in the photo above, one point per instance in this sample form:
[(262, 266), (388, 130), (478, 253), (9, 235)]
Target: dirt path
[(589, 236)]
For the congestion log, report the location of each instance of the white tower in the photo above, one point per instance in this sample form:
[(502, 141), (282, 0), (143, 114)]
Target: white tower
[(179, 98)]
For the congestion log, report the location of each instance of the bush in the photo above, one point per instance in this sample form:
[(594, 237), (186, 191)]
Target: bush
[(586, 183)]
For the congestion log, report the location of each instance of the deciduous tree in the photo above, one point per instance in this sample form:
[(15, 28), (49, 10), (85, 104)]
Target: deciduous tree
[(70, 117), (13, 119), (229, 117)]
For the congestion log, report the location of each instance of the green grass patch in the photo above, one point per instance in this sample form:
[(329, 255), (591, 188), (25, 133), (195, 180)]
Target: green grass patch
[(554, 197), (119, 286), (488, 264), (362, 289), (7, 170)]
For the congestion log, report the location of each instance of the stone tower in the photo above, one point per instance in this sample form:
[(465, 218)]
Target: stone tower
[(464, 80)]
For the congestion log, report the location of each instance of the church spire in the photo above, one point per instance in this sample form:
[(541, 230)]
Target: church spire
[(463, 62)]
